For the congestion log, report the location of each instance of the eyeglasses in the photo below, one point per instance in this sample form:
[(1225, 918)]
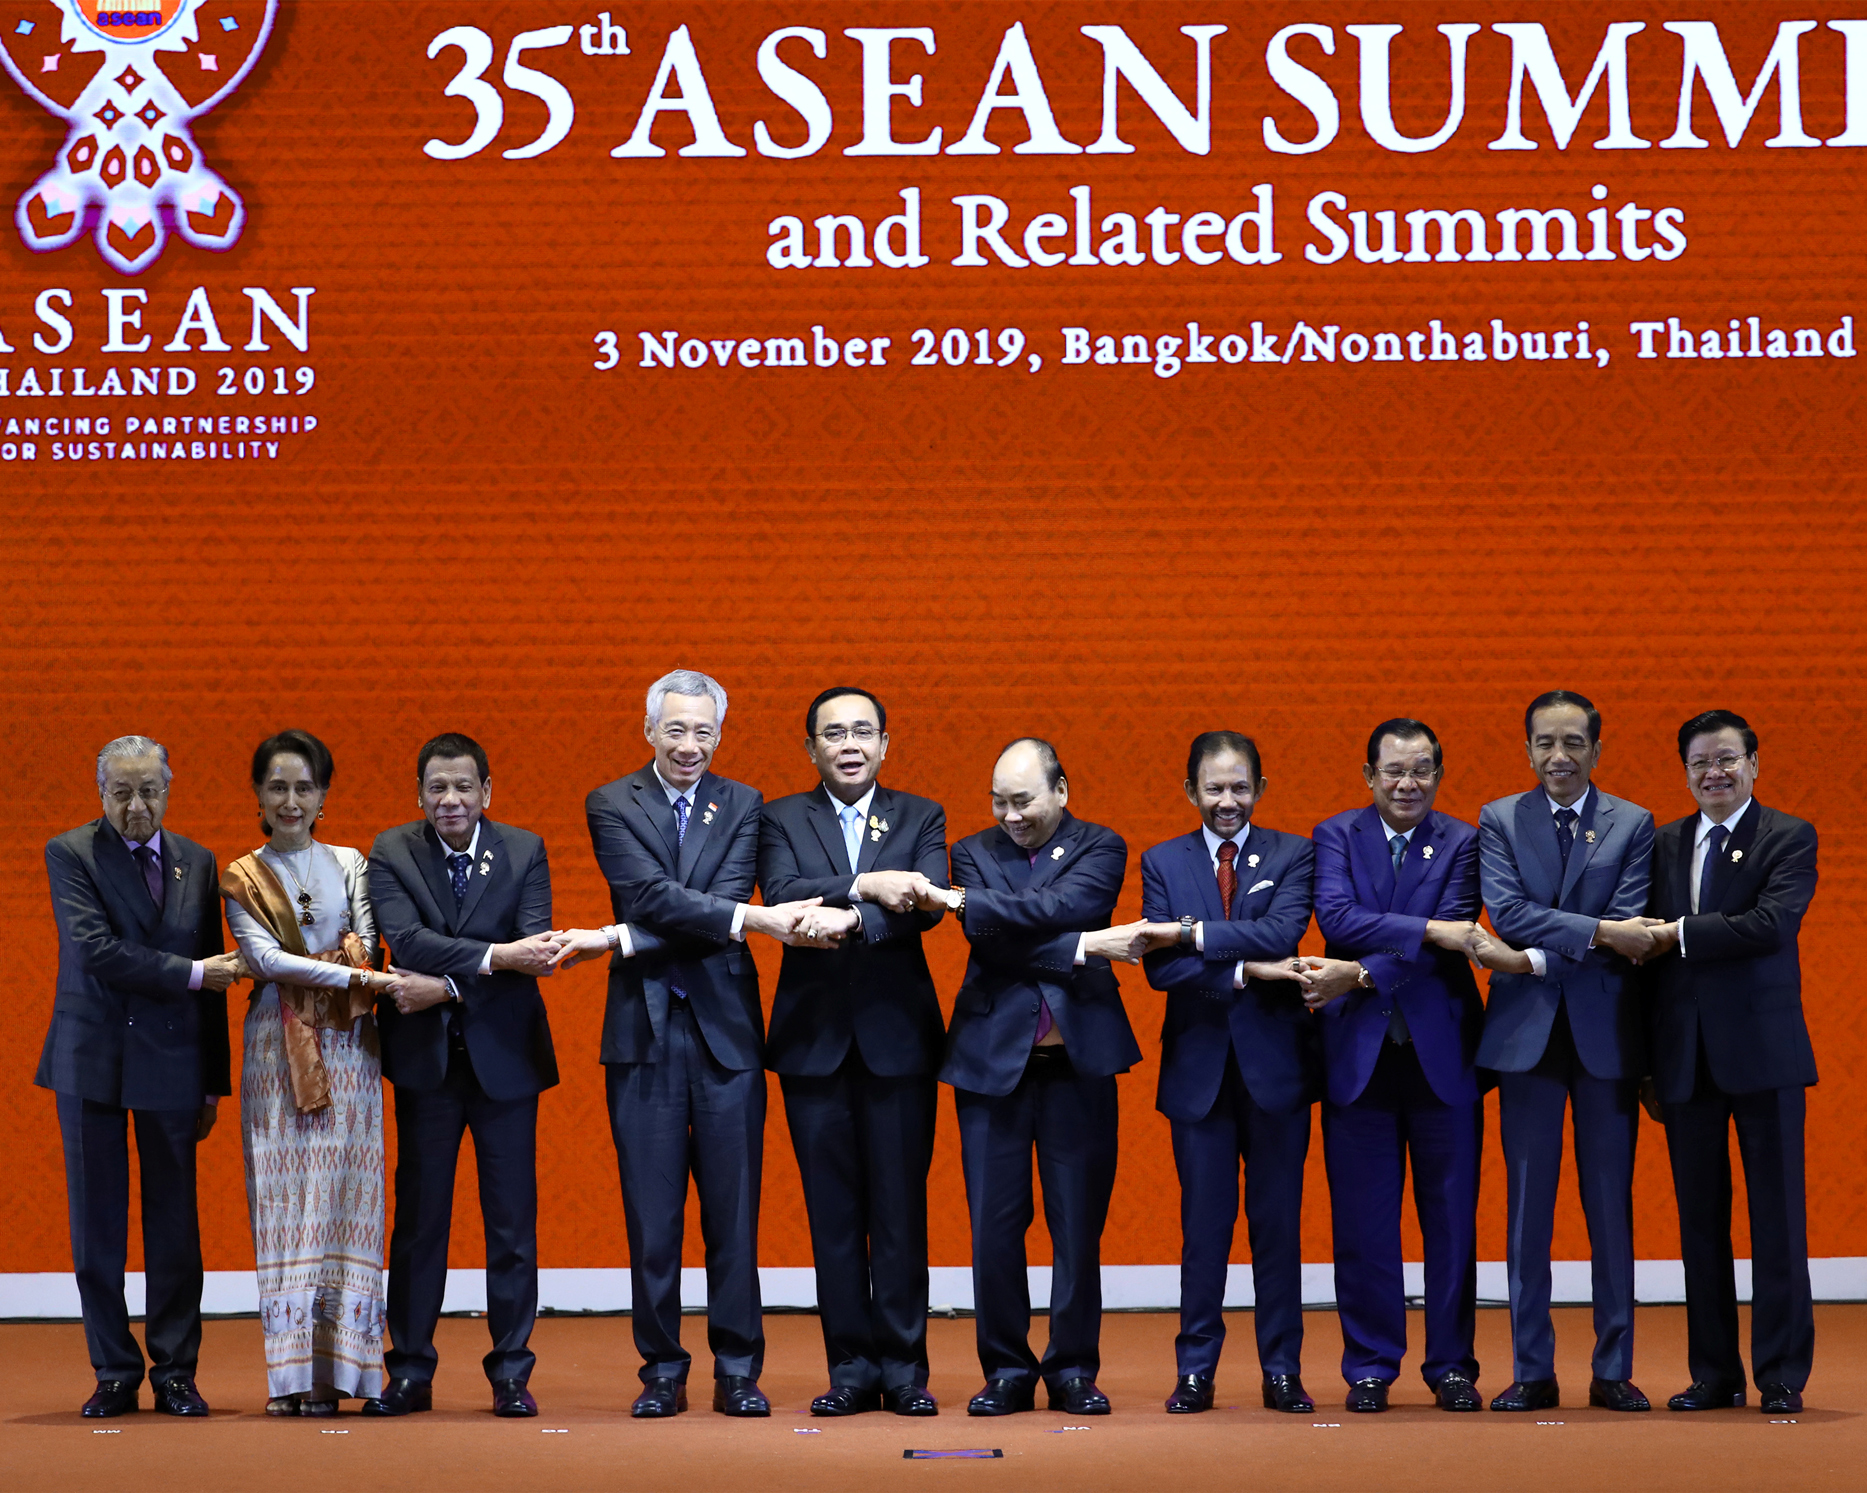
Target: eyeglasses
[(147, 795), (837, 735), (1727, 762), (1396, 775), (702, 735)]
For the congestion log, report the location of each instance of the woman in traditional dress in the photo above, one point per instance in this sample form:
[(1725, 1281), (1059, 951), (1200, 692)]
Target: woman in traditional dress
[(311, 1089)]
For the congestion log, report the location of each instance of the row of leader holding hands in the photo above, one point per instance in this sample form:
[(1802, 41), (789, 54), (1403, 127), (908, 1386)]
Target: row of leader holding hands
[(1620, 957)]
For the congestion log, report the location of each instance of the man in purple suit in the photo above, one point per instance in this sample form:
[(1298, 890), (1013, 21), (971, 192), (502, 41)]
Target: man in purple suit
[(1397, 892)]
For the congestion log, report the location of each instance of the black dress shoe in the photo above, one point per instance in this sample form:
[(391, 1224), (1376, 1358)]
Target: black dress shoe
[(1192, 1394), (659, 1397), (1285, 1392), (1702, 1396), (111, 1397), (401, 1397), (1366, 1396), (1533, 1394), (512, 1399), (1617, 1394), (1779, 1399), (1003, 1397), (1079, 1396), (846, 1399), (178, 1396), (1455, 1392), (734, 1394), (909, 1399)]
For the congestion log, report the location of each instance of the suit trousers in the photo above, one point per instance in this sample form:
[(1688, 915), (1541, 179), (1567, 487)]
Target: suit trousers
[(97, 1186), (688, 1114), (1607, 1125), (1367, 1147), (1073, 1123), (864, 1144), (1206, 1154), (1782, 1312), (429, 1124)]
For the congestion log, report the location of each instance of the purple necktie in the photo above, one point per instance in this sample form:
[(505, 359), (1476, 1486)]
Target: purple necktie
[(1045, 1021), (146, 857)]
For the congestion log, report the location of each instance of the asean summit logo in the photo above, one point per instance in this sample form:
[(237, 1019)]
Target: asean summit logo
[(129, 77)]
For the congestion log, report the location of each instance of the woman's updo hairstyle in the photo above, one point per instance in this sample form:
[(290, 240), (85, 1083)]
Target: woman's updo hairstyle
[(292, 744)]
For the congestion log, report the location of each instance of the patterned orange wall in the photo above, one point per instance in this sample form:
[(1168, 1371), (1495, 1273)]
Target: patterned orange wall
[(486, 533)]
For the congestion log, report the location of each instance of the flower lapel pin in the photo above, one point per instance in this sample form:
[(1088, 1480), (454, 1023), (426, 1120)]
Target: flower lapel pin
[(1426, 852), (1736, 856), (1057, 854)]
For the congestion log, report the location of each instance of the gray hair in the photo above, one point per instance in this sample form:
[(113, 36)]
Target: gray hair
[(132, 746), (685, 682)]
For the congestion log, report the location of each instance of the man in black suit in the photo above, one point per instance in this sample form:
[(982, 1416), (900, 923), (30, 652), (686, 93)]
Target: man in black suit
[(139, 1028), (684, 1037), (1038, 1035), (467, 903), (856, 1040), (1730, 886)]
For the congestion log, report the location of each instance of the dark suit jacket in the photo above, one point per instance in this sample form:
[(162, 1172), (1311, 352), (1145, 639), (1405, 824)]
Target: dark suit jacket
[(1739, 986), (126, 1029), (1365, 916), (875, 990), (1023, 922), (501, 1015), (679, 908), (1265, 1024), (1536, 903)]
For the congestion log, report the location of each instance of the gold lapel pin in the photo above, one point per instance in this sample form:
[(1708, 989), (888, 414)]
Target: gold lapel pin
[(178, 873), (1589, 835)]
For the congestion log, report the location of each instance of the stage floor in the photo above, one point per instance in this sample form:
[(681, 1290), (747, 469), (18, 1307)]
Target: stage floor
[(584, 1438)]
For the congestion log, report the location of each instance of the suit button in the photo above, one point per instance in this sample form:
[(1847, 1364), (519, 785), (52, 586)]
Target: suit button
[(130, 1022), (1035, 1006)]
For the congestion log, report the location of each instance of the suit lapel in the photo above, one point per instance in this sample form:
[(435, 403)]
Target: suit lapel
[(1370, 847), (823, 819), (116, 866), (1417, 862), (1536, 832), (1048, 861), (1682, 869), (873, 836), (699, 824), (1199, 870), (1595, 819), (429, 855), (492, 859), (652, 804), (1014, 864), (1735, 850)]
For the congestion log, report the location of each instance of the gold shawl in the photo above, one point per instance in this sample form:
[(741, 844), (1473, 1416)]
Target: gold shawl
[(303, 1009)]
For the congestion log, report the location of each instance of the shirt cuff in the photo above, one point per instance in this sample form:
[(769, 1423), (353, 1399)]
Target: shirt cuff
[(197, 974), (1199, 938), (625, 945), (1238, 975), (1082, 942), (854, 894), (1539, 963), (739, 922), (1680, 925), (486, 962)]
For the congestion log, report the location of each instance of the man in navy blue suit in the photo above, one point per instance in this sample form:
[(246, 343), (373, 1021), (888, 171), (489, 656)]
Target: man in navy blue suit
[(1239, 1063), (856, 1040), (1564, 872), (1731, 885), (467, 902), (684, 1037), (1397, 892), (1038, 1035)]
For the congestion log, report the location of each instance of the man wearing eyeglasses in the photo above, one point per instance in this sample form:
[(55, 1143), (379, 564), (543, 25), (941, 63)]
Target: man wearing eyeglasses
[(856, 1039), (1730, 886), (1397, 892), (684, 1037)]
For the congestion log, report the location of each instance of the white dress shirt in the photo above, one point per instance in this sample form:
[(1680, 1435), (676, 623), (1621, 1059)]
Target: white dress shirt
[(1539, 961), (861, 808), (1699, 846), (472, 854), (623, 935), (1213, 842)]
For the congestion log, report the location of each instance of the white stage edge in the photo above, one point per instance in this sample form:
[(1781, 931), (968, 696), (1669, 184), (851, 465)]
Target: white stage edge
[(1124, 1287)]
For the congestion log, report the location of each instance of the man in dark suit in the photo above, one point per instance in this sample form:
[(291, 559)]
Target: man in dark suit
[(1239, 1066), (1730, 886), (1564, 873), (684, 1037), (139, 1028), (856, 1039), (467, 903), (1397, 892), (1038, 1035)]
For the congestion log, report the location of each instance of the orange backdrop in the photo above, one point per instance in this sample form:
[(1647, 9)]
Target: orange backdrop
[(487, 533)]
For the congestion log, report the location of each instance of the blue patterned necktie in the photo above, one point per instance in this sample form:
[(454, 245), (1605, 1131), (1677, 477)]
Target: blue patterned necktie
[(1565, 833), (1714, 854), (680, 821), (1397, 1031), (458, 862)]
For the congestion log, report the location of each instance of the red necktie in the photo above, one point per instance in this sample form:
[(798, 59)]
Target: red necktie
[(1228, 877)]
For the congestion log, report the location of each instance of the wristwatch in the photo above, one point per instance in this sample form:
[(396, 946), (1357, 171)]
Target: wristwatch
[(614, 938), (1187, 922), (956, 899), (1363, 980)]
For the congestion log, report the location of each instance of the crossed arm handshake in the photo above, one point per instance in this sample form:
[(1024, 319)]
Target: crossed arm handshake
[(1634, 939)]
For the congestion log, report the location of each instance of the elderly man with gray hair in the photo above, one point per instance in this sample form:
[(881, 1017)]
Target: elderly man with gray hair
[(684, 1036), (139, 1027)]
